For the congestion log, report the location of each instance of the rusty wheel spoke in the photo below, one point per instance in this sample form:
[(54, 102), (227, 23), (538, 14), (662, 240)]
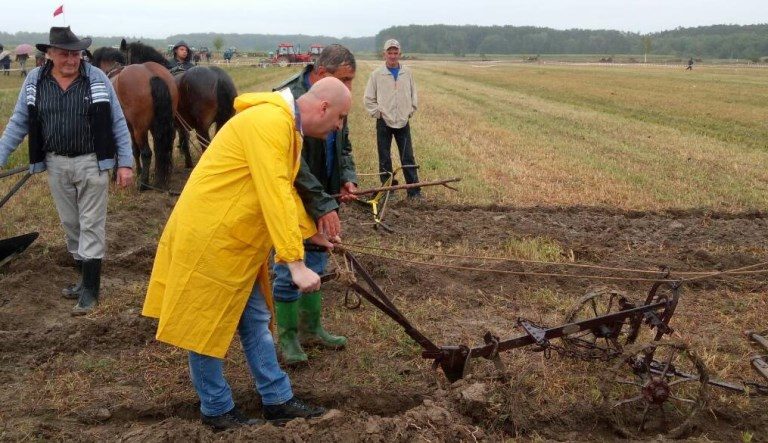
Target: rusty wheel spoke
[(668, 364), (682, 380), (684, 400), (594, 307), (627, 401), (644, 418)]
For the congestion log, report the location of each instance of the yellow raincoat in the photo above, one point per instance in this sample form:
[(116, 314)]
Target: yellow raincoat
[(238, 202)]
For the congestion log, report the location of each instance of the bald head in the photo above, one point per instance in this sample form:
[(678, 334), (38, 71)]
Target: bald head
[(324, 107)]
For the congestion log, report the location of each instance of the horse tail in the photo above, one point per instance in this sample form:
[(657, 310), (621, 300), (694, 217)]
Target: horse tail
[(225, 97), (162, 129)]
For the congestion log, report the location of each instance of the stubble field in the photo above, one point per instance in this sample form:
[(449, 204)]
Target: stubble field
[(630, 167)]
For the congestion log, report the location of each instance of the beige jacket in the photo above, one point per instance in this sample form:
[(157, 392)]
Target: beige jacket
[(394, 101)]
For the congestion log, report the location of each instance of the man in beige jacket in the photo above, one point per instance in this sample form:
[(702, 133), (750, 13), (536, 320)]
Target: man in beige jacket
[(390, 98)]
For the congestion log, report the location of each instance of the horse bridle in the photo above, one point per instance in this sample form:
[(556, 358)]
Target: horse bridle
[(115, 69)]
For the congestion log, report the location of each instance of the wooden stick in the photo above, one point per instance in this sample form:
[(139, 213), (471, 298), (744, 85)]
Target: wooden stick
[(11, 172), (407, 186)]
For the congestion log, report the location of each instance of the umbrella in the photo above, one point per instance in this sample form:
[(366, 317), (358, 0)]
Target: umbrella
[(24, 49)]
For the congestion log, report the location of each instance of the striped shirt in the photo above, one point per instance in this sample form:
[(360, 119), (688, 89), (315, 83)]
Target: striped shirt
[(64, 116)]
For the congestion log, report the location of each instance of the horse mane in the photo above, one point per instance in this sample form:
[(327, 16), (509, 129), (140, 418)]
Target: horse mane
[(106, 54), (141, 53)]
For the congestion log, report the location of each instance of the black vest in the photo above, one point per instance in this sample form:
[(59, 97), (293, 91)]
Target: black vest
[(99, 119)]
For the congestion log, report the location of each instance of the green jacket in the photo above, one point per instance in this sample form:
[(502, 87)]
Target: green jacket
[(314, 186)]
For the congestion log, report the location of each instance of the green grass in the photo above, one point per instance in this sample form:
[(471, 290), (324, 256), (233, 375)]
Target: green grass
[(634, 137), (630, 137)]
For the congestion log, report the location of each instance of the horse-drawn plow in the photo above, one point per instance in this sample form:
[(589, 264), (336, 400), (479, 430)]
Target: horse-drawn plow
[(652, 385), (13, 246)]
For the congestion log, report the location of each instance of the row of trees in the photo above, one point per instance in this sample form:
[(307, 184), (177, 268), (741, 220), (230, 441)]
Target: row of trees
[(718, 41), (244, 42)]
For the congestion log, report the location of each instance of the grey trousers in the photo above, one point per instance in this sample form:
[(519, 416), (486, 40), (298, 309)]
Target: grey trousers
[(79, 190)]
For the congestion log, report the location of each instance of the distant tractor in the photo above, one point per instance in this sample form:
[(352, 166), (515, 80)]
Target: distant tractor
[(314, 52), (287, 53)]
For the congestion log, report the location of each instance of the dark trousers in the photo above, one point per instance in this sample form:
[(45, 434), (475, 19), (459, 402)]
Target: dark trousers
[(402, 136)]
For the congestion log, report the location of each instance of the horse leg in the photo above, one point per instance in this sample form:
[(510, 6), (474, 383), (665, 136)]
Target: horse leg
[(202, 130), (146, 161), (136, 158), (184, 147)]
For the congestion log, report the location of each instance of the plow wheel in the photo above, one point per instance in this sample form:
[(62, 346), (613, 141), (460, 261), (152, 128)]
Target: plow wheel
[(605, 341), (655, 388)]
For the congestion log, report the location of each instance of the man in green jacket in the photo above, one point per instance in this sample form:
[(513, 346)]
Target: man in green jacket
[(327, 167)]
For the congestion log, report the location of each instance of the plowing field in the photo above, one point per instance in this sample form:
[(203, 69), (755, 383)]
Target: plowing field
[(555, 170)]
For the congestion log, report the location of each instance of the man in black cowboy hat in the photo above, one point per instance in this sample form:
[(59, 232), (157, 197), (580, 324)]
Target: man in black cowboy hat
[(76, 130)]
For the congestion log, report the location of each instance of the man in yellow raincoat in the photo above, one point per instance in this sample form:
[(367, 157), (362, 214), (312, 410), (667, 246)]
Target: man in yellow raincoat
[(210, 274)]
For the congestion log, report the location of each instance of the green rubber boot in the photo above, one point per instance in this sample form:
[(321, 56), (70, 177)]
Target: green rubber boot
[(288, 333), (310, 328)]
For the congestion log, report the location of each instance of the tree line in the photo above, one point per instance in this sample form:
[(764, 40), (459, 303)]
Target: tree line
[(243, 42), (717, 41)]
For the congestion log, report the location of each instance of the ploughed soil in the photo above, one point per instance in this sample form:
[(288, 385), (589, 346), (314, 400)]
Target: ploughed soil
[(104, 377)]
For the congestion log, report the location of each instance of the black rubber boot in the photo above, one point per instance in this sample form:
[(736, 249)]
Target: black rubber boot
[(230, 420), (293, 408), (89, 295), (72, 291)]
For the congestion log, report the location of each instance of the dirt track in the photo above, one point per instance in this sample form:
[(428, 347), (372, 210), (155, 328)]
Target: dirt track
[(104, 376)]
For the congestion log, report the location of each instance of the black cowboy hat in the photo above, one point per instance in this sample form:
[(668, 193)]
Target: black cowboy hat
[(64, 38)]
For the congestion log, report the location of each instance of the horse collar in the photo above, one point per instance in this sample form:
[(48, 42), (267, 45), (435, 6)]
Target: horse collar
[(114, 70)]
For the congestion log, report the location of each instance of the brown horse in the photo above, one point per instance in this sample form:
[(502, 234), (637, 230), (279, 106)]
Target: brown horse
[(206, 96), (148, 96)]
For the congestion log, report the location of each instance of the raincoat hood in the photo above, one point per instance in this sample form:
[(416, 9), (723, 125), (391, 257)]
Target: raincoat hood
[(281, 99)]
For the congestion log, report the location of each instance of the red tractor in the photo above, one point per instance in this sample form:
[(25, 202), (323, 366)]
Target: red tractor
[(287, 53)]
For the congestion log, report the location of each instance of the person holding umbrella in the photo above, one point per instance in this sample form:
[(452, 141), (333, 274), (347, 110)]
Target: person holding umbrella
[(5, 60), (22, 55)]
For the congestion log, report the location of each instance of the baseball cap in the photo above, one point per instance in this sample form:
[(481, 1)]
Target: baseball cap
[(391, 43)]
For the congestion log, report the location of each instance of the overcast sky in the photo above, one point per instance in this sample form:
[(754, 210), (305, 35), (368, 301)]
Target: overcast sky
[(359, 18)]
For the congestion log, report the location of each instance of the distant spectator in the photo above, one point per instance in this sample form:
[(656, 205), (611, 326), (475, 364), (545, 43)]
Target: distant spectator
[(22, 59), (182, 58), (390, 98), (5, 60), (690, 64)]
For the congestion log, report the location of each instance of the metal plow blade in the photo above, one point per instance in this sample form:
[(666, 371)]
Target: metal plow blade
[(11, 247)]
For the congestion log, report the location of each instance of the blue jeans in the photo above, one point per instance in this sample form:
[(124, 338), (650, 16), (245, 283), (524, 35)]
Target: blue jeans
[(272, 383), (283, 288)]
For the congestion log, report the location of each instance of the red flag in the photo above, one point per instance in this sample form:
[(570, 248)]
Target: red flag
[(59, 10)]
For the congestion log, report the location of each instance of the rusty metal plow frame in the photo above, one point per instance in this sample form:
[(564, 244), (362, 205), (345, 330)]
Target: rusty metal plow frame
[(656, 312), (454, 359)]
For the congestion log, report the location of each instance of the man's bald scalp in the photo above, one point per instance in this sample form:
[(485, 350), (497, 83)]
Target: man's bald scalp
[(332, 90)]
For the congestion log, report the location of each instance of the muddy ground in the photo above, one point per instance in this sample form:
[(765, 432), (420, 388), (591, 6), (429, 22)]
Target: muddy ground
[(103, 377)]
